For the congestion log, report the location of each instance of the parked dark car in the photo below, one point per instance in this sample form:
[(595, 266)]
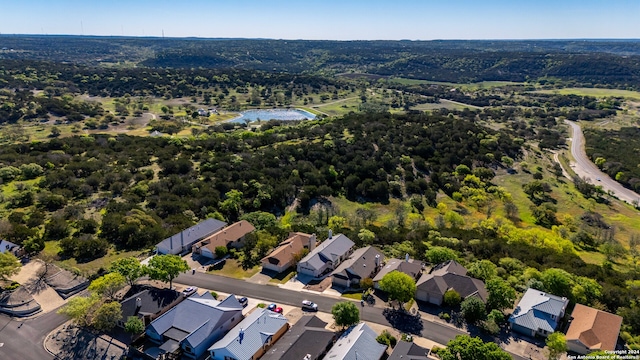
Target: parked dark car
[(244, 301)]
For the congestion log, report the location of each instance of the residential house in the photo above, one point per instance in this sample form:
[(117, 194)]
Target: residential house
[(326, 256), (231, 236), (406, 266), (308, 339), (183, 241), (363, 263), (538, 313), (147, 303), (592, 330), (431, 287), (8, 246), (356, 343), (283, 257), (193, 325), (251, 338), (405, 350)]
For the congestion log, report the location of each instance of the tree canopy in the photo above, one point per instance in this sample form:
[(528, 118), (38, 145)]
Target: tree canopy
[(9, 265), (166, 267), (345, 313), (465, 347), (398, 286), (128, 267)]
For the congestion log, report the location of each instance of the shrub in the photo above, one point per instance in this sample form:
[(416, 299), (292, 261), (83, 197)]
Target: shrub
[(490, 327), (221, 251), (387, 339), (452, 298), (214, 294), (366, 283), (261, 305), (406, 337), (444, 316)]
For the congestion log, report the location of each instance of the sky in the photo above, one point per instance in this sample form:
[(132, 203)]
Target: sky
[(327, 19)]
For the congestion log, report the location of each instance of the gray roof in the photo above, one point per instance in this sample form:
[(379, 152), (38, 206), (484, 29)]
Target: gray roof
[(197, 316), (408, 351), (152, 300), (329, 250), (257, 328), (410, 268), (452, 275), (191, 235), (360, 264), (307, 336), (6, 245), (535, 309), (450, 266), (356, 343)]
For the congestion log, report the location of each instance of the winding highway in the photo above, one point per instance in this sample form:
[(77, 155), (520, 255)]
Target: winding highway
[(586, 169)]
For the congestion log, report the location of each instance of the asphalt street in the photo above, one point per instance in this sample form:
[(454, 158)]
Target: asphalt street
[(23, 339), (585, 168)]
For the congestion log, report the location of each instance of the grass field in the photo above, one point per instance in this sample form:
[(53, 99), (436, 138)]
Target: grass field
[(234, 270), (52, 248), (466, 86), (597, 92), (442, 104)]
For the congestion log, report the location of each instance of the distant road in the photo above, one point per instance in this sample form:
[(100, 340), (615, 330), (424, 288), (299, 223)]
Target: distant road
[(586, 169)]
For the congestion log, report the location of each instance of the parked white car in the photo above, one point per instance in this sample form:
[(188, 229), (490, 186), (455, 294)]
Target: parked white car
[(308, 305)]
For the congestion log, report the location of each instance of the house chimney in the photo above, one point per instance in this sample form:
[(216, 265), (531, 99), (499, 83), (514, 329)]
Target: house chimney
[(138, 303), (330, 234), (406, 257), (182, 239), (312, 242), (241, 335), (377, 260)]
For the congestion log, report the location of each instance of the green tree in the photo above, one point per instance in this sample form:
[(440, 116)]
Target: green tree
[(483, 270), (399, 286), (465, 347), (440, 254), (473, 309), (557, 282), (107, 316), (166, 268), (260, 220), (231, 203), (80, 308), (108, 285), (454, 219), (134, 326), (451, 298), (128, 267), (9, 265), (366, 236), (345, 313), (501, 294), (557, 345), (33, 245), (337, 222)]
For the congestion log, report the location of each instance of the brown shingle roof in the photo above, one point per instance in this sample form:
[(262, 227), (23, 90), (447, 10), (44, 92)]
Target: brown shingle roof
[(284, 253), (596, 329), (227, 235)]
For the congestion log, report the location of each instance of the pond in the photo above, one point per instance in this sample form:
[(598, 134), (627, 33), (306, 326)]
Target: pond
[(273, 114)]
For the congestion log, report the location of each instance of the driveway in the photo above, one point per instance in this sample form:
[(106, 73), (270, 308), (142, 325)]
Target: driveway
[(586, 169)]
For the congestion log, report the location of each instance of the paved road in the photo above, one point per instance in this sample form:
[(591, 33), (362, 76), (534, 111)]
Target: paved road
[(23, 340), (431, 330), (585, 168)]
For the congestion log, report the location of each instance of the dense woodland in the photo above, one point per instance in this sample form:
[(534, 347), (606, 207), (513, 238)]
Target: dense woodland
[(92, 193), (586, 62), (613, 152)]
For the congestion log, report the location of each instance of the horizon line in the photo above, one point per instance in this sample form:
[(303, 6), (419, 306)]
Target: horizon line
[(302, 39)]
